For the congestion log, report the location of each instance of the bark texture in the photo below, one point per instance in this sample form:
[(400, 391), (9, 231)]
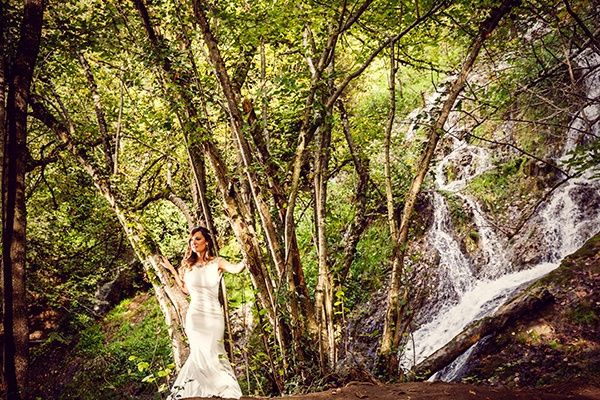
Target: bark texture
[(16, 332)]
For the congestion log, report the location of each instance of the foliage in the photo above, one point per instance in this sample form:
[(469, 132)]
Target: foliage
[(500, 187), (125, 356), (74, 245), (522, 96), (368, 270)]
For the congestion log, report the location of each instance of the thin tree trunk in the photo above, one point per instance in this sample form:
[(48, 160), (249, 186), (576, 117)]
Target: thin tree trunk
[(265, 102), (3, 90), (198, 165), (171, 299), (388, 358), (100, 118), (185, 210), (117, 149), (14, 225), (386, 145), (323, 295), (359, 224)]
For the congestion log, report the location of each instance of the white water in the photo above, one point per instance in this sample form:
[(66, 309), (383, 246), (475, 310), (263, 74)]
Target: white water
[(563, 221), (454, 266), (588, 118)]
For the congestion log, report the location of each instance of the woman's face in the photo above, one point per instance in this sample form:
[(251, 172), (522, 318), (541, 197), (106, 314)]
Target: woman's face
[(198, 243)]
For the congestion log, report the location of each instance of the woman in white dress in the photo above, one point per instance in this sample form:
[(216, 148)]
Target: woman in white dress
[(207, 371)]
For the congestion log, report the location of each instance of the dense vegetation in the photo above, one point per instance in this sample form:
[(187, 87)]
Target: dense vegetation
[(296, 132)]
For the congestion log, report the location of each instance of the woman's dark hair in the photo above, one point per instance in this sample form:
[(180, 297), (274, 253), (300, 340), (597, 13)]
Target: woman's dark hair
[(190, 258)]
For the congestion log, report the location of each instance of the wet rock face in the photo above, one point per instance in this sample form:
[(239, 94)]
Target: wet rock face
[(423, 214), (587, 199), (545, 172), (556, 343), (533, 244), (361, 338), (528, 248)]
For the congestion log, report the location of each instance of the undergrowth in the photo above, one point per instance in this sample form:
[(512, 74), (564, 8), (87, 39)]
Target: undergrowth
[(125, 356)]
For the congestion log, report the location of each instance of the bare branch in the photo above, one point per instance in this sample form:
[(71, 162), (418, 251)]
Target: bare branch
[(393, 39), (100, 117), (583, 27)]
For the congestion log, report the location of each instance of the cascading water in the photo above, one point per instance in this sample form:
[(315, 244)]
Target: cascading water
[(454, 266), (565, 221)]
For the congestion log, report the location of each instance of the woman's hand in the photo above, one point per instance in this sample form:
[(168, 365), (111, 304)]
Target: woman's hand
[(167, 264), (178, 279)]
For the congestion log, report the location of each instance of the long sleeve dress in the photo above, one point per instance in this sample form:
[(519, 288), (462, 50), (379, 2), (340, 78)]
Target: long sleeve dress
[(207, 371)]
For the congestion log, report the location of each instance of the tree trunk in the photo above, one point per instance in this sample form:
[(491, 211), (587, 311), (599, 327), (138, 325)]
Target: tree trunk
[(172, 301), (198, 165), (388, 357), (3, 89), (386, 145), (16, 332), (99, 110), (359, 224), (323, 291)]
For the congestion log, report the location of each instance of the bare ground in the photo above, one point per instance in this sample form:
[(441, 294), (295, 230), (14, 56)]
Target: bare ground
[(448, 391)]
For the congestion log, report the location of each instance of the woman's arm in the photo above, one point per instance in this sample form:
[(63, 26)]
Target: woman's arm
[(226, 266), (177, 275)]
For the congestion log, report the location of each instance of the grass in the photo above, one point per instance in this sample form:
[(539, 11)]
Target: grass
[(125, 356)]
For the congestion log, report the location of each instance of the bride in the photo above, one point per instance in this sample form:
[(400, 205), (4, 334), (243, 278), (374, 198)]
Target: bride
[(207, 371)]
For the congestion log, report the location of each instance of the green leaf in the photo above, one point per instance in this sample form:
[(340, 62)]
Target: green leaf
[(142, 366)]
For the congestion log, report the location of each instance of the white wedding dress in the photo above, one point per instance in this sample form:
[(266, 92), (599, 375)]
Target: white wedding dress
[(207, 371)]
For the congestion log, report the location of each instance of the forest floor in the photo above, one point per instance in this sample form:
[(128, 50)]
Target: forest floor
[(451, 391)]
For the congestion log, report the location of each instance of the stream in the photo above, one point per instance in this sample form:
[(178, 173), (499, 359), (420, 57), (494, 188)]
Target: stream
[(470, 292)]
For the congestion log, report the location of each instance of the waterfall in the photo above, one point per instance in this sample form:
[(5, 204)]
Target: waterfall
[(454, 267), (569, 216), (588, 118), (492, 245)]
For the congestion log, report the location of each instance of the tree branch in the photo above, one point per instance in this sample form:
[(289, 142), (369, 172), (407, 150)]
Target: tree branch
[(100, 116)]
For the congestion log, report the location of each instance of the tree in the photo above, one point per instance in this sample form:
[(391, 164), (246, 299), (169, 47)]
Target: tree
[(158, 103), (392, 329), (15, 80)]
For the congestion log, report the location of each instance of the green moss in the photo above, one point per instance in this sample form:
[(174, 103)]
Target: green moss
[(500, 187), (584, 314), (555, 344)]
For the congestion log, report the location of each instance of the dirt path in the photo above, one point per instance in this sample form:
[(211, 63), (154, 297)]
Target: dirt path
[(448, 391)]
